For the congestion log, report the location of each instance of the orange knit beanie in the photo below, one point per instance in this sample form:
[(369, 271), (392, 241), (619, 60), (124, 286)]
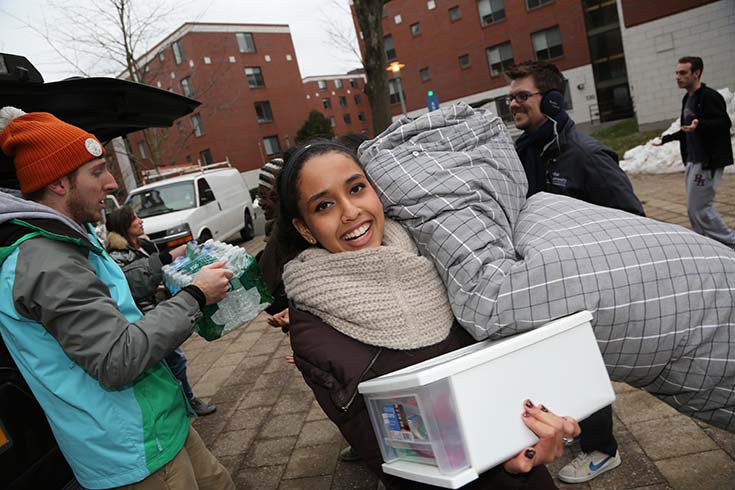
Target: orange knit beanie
[(43, 148)]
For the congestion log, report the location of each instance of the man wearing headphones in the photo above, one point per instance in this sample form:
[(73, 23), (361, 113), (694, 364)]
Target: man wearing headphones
[(555, 155), (559, 159)]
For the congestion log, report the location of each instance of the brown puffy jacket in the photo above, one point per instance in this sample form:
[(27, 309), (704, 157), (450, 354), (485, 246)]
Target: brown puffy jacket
[(333, 364)]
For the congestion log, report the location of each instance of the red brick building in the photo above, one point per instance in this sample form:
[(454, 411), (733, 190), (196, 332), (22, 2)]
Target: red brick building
[(459, 49), (248, 80), (341, 99)]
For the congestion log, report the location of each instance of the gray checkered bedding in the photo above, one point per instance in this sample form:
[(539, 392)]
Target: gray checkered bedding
[(662, 297)]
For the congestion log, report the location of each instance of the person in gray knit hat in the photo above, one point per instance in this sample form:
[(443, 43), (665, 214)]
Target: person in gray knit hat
[(364, 303)]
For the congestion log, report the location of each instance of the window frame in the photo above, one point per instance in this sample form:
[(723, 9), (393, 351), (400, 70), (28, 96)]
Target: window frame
[(390, 54), (342, 101), (142, 150), (197, 125), (270, 139), (503, 61), (358, 99), (265, 107), (347, 118), (327, 103), (321, 84), (421, 74), (392, 84), (260, 74), (338, 83), (459, 61), (178, 52), (548, 48), (492, 13), (415, 32), (542, 3), (245, 49), (206, 161), (187, 89), (451, 10)]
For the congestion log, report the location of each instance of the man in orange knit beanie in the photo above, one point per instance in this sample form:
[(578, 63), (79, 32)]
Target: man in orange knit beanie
[(68, 318)]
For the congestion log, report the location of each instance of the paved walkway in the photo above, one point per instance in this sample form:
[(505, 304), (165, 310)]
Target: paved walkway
[(271, 434)]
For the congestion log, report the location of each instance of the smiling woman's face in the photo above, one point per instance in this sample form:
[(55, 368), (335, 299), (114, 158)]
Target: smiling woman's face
[(340, 209)]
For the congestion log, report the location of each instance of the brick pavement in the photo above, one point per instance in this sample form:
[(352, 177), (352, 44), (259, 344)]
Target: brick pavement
[(270, 433)]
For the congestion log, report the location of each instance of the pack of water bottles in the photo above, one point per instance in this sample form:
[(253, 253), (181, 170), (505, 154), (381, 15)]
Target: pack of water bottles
[(248, 294)]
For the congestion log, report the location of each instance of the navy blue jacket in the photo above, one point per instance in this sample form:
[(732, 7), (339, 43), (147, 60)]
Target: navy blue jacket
[(579, 166)]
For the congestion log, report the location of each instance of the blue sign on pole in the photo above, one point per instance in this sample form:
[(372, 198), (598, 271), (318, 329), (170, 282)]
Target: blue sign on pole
[(432, 101)]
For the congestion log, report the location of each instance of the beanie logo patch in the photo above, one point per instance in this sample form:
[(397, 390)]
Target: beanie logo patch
[(93, 147)]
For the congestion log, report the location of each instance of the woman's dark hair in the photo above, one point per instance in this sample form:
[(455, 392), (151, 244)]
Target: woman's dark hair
[(119, 220), (290, 241)]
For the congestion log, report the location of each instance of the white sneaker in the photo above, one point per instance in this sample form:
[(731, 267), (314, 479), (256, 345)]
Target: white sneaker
[(587, 466)]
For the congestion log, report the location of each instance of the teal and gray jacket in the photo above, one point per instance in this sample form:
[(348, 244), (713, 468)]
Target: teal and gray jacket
[(92, 360)]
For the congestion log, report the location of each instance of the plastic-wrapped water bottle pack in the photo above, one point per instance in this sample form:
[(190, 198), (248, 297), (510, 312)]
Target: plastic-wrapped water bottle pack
[(248, 295)]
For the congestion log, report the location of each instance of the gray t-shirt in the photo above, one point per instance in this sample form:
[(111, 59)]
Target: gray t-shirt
[(694, 149)]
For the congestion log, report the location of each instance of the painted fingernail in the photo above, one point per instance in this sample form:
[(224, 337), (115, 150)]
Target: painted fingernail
[(543, 408), (526, 414), (529, 453), (528, 403)]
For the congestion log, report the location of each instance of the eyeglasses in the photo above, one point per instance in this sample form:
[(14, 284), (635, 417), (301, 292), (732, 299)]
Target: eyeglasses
[(520, 97)]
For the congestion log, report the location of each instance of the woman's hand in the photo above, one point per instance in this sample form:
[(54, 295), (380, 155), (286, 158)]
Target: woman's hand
[(551, 430), (177, 252), (279, 320)]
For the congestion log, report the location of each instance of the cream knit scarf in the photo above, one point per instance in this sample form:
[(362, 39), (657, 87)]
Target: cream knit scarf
[(387, 296)]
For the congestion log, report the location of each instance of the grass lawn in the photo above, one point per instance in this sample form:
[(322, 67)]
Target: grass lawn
[(624, 135)]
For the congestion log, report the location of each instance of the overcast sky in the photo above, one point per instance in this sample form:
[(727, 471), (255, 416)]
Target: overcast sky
[(310, 21)]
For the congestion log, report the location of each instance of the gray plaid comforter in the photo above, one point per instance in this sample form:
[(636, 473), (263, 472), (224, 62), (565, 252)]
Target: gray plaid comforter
[(662, 296)]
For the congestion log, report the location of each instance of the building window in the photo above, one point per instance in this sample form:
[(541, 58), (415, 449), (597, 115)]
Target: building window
[(455, 14), (197, 126), (161, 56), (354, 83), (361, 116), (186, 88), (255, 77), (263, 110), (322, 84), (178, 52), (503, 108), (532, 4), (464, 61), (205, 157), (390, 50), (393, 90), (327, 103), (347, 118), (338, 83), (547, 44), (424, 74), (332, 121), (490, 11), (342, 101), (245, 42), (188, 159), (499, 58), (358, 99), (141, 150), (415, 29), (272, 146)]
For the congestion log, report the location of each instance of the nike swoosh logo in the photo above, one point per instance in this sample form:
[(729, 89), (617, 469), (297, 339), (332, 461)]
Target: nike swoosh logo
[(595, 467)]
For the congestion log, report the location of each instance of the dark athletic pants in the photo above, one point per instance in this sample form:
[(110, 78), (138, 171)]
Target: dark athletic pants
[(597, 432)]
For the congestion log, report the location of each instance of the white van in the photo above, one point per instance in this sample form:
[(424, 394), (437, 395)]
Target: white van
[(202, 205)]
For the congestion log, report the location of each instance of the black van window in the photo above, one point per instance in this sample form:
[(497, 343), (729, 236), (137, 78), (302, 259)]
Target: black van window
[(205, 192)]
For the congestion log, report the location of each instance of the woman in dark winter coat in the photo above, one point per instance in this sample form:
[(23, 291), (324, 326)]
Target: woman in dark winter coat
[(139, 257), (364, 303)]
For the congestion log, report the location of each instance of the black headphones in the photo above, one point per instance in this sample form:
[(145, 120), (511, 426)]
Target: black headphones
[(552, 103)]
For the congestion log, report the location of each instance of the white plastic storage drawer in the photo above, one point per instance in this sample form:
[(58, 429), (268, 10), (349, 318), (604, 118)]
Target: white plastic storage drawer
[(446, 420)]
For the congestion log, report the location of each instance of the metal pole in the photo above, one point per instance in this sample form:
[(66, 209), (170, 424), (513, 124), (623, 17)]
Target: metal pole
[(400, 94)]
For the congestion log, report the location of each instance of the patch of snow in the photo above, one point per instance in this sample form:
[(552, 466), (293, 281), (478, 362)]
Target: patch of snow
[(651, 159)]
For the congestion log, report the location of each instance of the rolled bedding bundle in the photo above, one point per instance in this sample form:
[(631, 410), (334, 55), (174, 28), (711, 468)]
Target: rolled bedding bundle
[(662, 297)]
